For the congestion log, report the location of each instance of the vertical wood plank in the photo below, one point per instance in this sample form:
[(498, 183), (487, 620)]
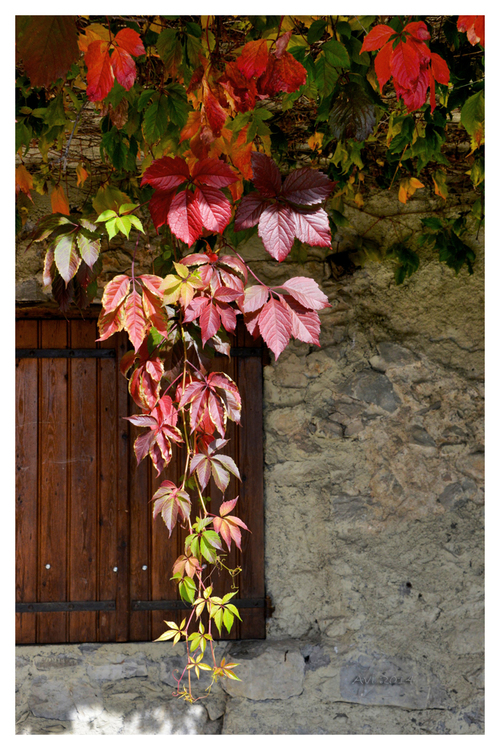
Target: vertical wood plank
[(26, 479), (251, 503), (125, 449), (107, 481), (140, 530), (82, 482), (53, 436)]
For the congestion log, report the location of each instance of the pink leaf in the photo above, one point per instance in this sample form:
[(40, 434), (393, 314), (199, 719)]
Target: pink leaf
[(227, 506), (184, 217), (305, 323), (209, 322), (306, 292), (275, 325), (277, 230), (255, 297), (135, 321), (312, 227)]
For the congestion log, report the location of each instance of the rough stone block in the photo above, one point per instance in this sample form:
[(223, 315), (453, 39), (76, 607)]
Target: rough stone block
[(64, 699), (373, 388), (274, 671)]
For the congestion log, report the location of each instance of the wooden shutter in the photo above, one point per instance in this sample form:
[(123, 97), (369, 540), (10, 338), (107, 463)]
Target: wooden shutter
[(92, 565)]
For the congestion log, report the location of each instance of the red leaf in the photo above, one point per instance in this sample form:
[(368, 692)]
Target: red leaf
[(209, 322), (306, 292), (307, 187), (277, 230), (184, 217), (282, 74), (109, 323), (383, 65), (47, 45), (418, 30), (249, 211), (159, 206), (115, 292), (129, 40), (166, 173), (123, 68), (143, 445), (253, 58), (376, 38), (265, 175), (414, 96), (312, 227), (474, 26), (99, 72), (405, 65), (439, 69), (215, 114), (275, 325), (227, 506), (135, 321), (213, 172), (215, 209)]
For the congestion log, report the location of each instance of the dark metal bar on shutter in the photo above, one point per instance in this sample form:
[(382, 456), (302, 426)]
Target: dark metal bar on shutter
[(65, 353), (174, 604), (65, 606)]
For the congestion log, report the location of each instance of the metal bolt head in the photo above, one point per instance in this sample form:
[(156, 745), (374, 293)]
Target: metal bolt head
[(144, 567), (115, 570), (47, 566)]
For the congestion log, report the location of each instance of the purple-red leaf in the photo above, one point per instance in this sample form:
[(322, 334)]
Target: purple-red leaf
[(166, 174), (249, 211), (307, 186), (265, 175)]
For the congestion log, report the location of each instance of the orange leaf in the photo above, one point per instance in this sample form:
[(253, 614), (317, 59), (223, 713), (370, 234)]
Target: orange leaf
[(81, 174), (407, 187), (58, 201), (24, 181), (93, 33)]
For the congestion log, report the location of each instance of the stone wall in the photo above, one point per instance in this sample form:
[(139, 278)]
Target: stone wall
[(374, 454)]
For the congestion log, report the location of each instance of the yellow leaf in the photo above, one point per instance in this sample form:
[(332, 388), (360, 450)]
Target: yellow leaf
[(92, 33), (315, 142), (358, 200), (58, 201)]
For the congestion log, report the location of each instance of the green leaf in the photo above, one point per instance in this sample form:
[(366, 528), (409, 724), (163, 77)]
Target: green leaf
[(55, 114), (472, 116), (155, 120), (316, 31), (408, 261), (336, 54), (106, 215)]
